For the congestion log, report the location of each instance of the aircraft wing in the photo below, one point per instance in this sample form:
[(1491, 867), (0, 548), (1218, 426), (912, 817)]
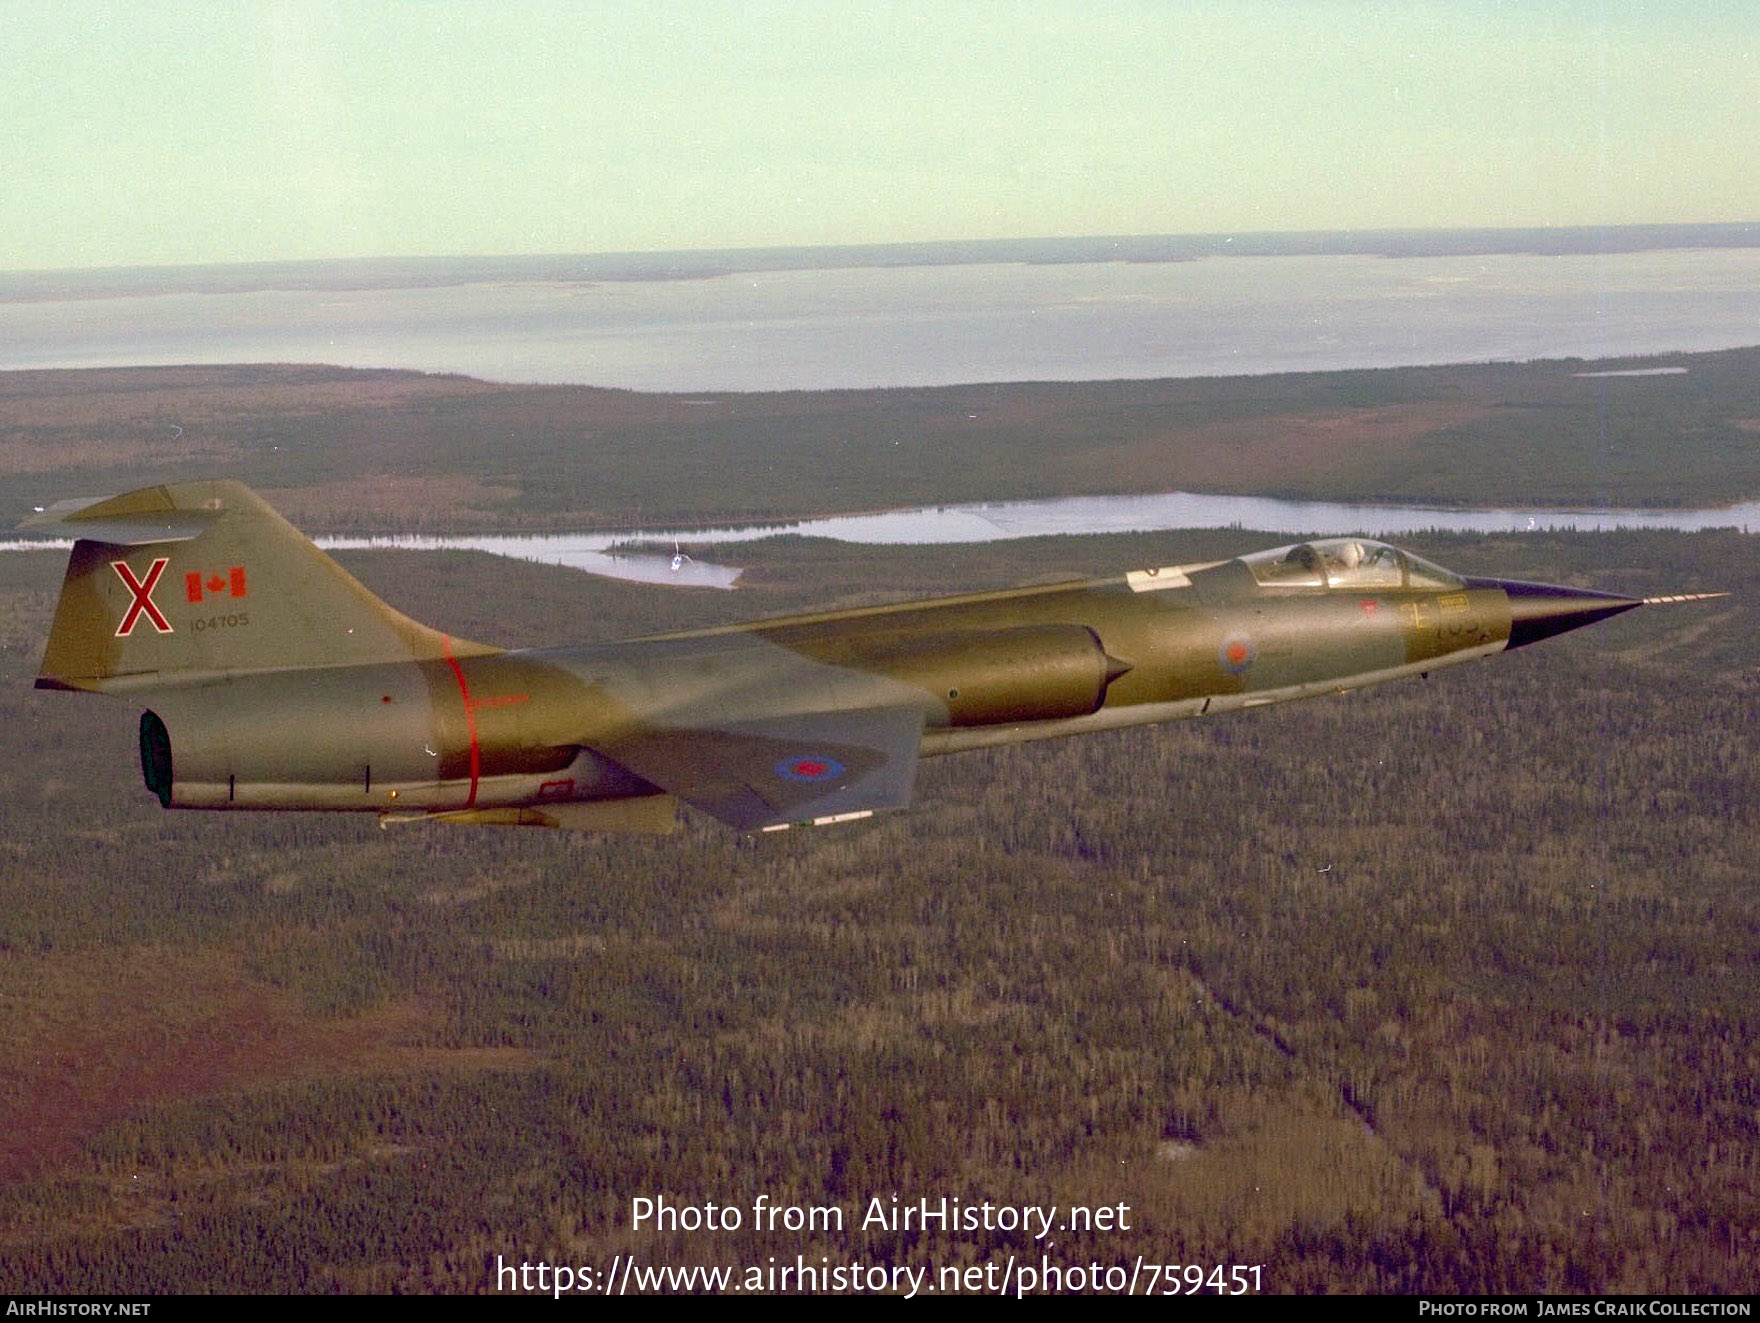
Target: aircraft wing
[(780, 771)]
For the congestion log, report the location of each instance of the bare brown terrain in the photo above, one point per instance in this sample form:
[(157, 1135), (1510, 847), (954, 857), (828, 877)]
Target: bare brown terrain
[(151, 1025), (1259, 454), (402, 500), (355, 450)]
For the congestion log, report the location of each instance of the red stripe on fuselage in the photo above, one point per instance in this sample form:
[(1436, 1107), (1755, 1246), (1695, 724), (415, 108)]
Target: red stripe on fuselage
[(470, 721)]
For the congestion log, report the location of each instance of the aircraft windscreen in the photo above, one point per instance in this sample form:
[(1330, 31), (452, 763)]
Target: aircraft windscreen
[(1346, 562), (1424, 574)]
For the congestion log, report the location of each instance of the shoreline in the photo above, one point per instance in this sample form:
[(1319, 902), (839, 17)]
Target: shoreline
[(357, 451)]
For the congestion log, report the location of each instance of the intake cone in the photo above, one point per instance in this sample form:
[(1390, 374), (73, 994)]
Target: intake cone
[(1540, 610)]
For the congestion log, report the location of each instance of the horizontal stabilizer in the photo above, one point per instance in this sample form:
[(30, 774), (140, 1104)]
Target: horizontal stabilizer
[(757, 774), (133, 519)]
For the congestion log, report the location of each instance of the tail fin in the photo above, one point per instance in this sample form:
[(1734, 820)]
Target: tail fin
[(203, 579)]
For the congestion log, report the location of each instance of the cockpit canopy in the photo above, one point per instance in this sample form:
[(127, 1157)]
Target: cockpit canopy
[(1346, 562)]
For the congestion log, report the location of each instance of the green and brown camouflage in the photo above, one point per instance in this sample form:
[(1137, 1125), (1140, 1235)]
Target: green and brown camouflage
[(275, 680)]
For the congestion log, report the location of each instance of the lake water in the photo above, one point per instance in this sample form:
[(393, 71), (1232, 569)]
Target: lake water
[(1000, 520), (937, 324), (945, 322)]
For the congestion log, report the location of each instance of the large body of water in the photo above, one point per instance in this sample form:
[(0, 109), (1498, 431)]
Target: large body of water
[(934, 324), (948, 314)]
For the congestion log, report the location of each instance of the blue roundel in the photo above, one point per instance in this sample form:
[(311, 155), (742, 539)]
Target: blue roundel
[(809, 767), (1237, 654)]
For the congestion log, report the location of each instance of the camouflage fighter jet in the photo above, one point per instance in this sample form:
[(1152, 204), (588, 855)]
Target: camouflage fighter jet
[(274, 680)]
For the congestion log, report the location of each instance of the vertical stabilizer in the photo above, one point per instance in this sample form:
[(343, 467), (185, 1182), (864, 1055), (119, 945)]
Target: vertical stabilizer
[(202, 579)]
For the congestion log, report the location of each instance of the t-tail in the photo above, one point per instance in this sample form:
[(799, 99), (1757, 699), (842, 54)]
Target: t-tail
[(201, 580)]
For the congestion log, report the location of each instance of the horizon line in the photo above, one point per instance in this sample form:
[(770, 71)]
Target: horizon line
[(1389, 241)]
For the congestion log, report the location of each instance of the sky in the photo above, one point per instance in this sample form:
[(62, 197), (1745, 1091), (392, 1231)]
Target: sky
[(155, 132)]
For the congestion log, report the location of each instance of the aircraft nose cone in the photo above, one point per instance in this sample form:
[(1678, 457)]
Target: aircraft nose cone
[(1540, 610)]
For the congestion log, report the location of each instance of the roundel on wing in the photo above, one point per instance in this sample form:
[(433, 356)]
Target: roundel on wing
[(809, 768), (1236, 654)]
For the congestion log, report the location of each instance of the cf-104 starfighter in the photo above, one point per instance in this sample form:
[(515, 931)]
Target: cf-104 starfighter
[(274, 680)]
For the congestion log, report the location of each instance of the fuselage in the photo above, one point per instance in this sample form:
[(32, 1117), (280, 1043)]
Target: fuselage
[(273, 679), (470, 733)]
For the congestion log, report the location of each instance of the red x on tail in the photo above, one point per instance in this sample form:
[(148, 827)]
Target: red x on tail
[(143, 597)]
